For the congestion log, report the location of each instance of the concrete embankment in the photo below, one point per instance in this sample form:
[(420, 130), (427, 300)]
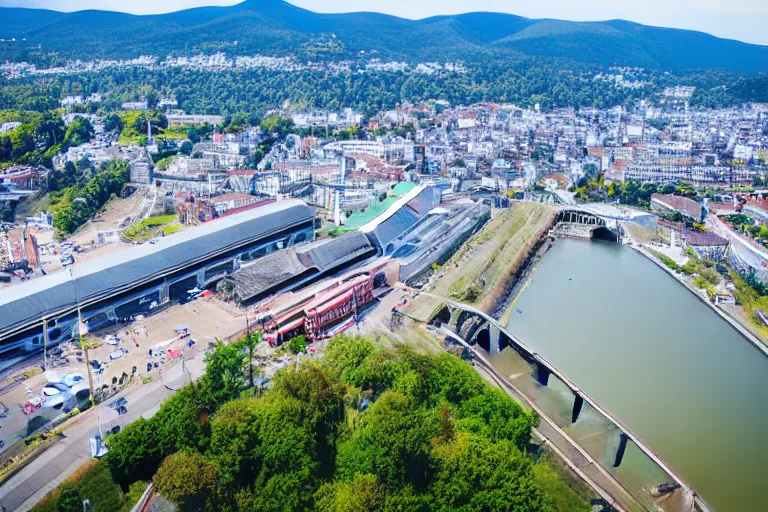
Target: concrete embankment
[(736, 324)]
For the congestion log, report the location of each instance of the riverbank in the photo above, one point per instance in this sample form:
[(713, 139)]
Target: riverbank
[(728, 317), (484, 269)]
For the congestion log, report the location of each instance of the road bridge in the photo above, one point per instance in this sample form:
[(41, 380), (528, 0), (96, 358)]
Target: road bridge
[(477, 328)]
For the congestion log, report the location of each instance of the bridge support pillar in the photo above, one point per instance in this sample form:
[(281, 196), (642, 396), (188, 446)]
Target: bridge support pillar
[(454, 322), (495, 335), (578, 404), (541, 374), (623, 438)]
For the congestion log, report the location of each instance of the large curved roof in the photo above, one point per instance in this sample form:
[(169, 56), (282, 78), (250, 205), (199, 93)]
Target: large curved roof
[(117, 273)]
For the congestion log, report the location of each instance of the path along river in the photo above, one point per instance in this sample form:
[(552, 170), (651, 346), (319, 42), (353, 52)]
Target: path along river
[(659, 360)]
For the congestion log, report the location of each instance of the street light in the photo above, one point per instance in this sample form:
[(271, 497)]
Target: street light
[(82, 331)]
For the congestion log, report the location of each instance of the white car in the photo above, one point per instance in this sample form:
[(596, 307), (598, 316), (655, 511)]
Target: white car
[(117, 354), (112, 340), (71, 379), (54, 388)]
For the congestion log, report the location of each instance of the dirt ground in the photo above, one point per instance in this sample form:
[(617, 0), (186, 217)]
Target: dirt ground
[(109, 218)]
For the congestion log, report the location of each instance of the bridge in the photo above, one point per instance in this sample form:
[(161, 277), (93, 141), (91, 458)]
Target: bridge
[(542, 384), (603, 220), (580, 223)]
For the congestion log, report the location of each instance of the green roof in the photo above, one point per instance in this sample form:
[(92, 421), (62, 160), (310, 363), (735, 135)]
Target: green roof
[(374, 210), (403, 188)]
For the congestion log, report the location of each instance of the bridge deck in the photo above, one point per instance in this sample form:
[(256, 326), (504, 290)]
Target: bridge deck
[(700, 504)]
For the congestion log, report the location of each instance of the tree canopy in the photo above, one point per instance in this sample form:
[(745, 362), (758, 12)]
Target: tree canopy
[(368, 428)]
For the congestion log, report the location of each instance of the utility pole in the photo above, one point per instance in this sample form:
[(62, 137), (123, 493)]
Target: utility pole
[(82, 331), (45, 343), (250, 349)]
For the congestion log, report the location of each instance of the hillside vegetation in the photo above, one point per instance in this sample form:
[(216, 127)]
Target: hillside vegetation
[(275, 26)]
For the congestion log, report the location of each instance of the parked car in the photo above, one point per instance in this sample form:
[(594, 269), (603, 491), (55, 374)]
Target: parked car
[(71, 379), (117, 354)]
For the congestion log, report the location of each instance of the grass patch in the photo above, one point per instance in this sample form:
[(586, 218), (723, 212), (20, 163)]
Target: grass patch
[(752, 302), (482, 270), (666, 260), (172, 228), (563, 491), (28, 374), (93, 481), (152, 227)]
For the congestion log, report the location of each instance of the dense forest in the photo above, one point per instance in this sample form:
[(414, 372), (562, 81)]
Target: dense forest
[(525, 82), (366, 429)]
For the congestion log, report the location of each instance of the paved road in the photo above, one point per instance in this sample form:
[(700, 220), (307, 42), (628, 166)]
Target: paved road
[(45, 473)]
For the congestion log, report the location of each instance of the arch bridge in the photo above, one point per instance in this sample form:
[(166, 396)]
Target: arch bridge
[(538, 378), (584, 223)]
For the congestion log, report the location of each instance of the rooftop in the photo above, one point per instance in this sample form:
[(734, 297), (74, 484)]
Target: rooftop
[(122, 271)]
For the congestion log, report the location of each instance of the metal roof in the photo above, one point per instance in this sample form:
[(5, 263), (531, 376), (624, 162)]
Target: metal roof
[(120, 272), (281, 268)]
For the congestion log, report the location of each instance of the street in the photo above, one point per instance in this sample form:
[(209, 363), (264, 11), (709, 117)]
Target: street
[(45, 473)]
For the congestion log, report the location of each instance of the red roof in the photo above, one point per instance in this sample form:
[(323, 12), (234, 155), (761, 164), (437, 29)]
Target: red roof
[(291, 326)]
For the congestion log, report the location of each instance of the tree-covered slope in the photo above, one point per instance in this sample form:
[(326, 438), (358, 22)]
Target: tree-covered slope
[(275, 26)]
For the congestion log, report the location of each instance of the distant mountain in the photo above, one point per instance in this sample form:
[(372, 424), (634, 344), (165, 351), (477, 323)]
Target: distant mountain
[(275, 26)]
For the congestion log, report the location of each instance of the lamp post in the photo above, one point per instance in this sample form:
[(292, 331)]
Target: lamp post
[(82, 331)]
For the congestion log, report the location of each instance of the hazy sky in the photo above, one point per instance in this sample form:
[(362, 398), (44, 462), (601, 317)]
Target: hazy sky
[(746, 20)]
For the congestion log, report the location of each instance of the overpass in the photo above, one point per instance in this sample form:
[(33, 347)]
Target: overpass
[(541, 383)]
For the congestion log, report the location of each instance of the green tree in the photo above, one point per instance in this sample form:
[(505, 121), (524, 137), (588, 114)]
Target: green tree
[(297, 345), (79, 132), (276, 124), (187, 479), (134, 453), (363, 494), (186, 148), (475, 474), (113, 123), (392, 442), (69, 499), (223, 379)]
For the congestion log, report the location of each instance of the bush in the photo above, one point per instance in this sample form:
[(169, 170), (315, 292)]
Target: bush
[(187, 479), (298, 345), (92, 481)]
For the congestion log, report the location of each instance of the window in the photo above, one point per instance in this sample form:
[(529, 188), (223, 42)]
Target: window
[(218, 270)]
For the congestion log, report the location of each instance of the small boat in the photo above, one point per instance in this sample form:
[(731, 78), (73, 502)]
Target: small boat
[(520, 311)]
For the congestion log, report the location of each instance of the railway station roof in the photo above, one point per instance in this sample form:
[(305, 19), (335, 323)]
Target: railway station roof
[(123, 271), (281, 269)]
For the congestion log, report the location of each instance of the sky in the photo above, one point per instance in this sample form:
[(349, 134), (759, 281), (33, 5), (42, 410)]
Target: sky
[(745, 20)]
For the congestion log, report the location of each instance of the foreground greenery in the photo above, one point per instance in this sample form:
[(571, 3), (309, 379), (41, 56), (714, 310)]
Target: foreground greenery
[(366, 429), (93, 481)]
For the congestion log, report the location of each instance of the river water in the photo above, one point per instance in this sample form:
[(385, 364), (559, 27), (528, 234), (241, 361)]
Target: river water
[(656, 358)]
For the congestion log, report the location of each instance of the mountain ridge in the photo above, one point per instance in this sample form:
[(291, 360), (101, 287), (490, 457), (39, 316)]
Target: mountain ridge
[(276, 26)]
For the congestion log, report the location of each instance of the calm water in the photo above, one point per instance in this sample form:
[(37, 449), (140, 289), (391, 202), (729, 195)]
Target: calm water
[(659, 360)]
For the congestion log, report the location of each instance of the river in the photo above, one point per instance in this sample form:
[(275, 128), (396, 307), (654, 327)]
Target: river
[(658, 359)]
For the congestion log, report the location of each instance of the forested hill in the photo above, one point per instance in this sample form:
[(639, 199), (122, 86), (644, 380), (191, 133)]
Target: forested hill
[(277, 27)]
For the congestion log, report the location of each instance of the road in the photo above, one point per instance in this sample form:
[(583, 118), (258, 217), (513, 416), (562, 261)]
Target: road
[(45, 473)]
